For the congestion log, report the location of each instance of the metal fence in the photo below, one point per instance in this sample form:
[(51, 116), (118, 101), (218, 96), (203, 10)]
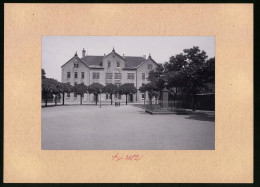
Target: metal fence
[(202, 102)]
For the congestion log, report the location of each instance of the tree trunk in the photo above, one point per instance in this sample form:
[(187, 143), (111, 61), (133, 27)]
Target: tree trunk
[(55, 100), (144, 97), (96, 98), (111, 99), (63, 98), (80, 99), (126, 99), (194, 102), (46, 98)]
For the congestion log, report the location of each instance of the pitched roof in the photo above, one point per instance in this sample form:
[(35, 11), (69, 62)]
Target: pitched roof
[(130, 61), (93, 60), (133, 61)]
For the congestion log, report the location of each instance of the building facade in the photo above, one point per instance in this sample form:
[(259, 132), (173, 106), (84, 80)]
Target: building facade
[(112, 68)]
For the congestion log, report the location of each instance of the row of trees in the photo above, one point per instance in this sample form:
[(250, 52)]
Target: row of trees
[(187, 73), (52, 86)]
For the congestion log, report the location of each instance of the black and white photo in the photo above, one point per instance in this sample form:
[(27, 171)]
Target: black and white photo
[(128, 93)]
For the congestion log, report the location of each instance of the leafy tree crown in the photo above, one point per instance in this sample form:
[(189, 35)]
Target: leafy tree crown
[(127, 88), (95, 88), (110, 89)]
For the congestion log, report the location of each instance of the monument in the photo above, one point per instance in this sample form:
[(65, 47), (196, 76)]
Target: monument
[(165, 98), (164, 108)]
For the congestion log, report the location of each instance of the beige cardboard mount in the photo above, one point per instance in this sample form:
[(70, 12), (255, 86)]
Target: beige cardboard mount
[(232, 26)]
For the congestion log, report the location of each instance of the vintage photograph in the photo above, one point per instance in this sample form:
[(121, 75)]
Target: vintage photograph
[(128, 93)]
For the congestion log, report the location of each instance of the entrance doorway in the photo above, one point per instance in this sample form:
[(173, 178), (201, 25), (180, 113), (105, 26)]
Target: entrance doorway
[(96, 98), (131, 98)]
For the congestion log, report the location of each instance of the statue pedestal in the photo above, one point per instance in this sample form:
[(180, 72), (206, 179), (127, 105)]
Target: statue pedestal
[(165, 100)]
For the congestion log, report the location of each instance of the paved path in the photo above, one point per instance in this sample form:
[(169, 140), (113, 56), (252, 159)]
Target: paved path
[(124, 128)]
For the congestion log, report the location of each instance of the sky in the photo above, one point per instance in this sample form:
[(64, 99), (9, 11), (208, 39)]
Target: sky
[(57, 50)]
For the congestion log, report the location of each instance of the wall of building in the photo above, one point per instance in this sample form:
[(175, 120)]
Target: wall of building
[(144, 69), (88, 79), (69, 67)]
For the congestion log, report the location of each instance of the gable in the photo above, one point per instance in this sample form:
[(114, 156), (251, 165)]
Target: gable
[(114, 54), (74, 59), (148, 61)]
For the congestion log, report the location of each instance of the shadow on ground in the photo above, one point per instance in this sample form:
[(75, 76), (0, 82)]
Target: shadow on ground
[(143, 112), (201, 116), (139, 106)]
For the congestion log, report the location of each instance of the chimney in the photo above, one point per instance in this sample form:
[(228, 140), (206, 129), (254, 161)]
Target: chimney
[(83, 52), (144, 56)]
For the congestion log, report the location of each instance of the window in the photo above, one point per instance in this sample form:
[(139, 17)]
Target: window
[(118, 64), (108, 75), (76, 65), (82, 75), (108, 64), (75, 95), (150, 66), (68, 94), (68, 75), (130, 76), (118, 96), (142, 96), (143, 76), (108, 96), (75, 75), (95, 75), (118, 76)]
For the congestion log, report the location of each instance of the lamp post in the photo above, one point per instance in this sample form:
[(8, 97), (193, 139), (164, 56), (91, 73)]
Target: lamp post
[(100, 98)]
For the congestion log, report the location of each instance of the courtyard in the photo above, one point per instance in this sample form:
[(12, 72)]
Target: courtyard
[(128, 127)]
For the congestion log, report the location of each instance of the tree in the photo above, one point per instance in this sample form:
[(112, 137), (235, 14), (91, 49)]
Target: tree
[(172, 69), (191, 71), (152, 91), (80, 89), (43, 74), (142, 89), (126, 89), (66, 88), (95, 88), (50, 85), (110, 89), (176, 63), (156, 78)]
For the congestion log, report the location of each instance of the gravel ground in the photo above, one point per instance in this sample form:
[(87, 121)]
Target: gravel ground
[(89, 127)]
